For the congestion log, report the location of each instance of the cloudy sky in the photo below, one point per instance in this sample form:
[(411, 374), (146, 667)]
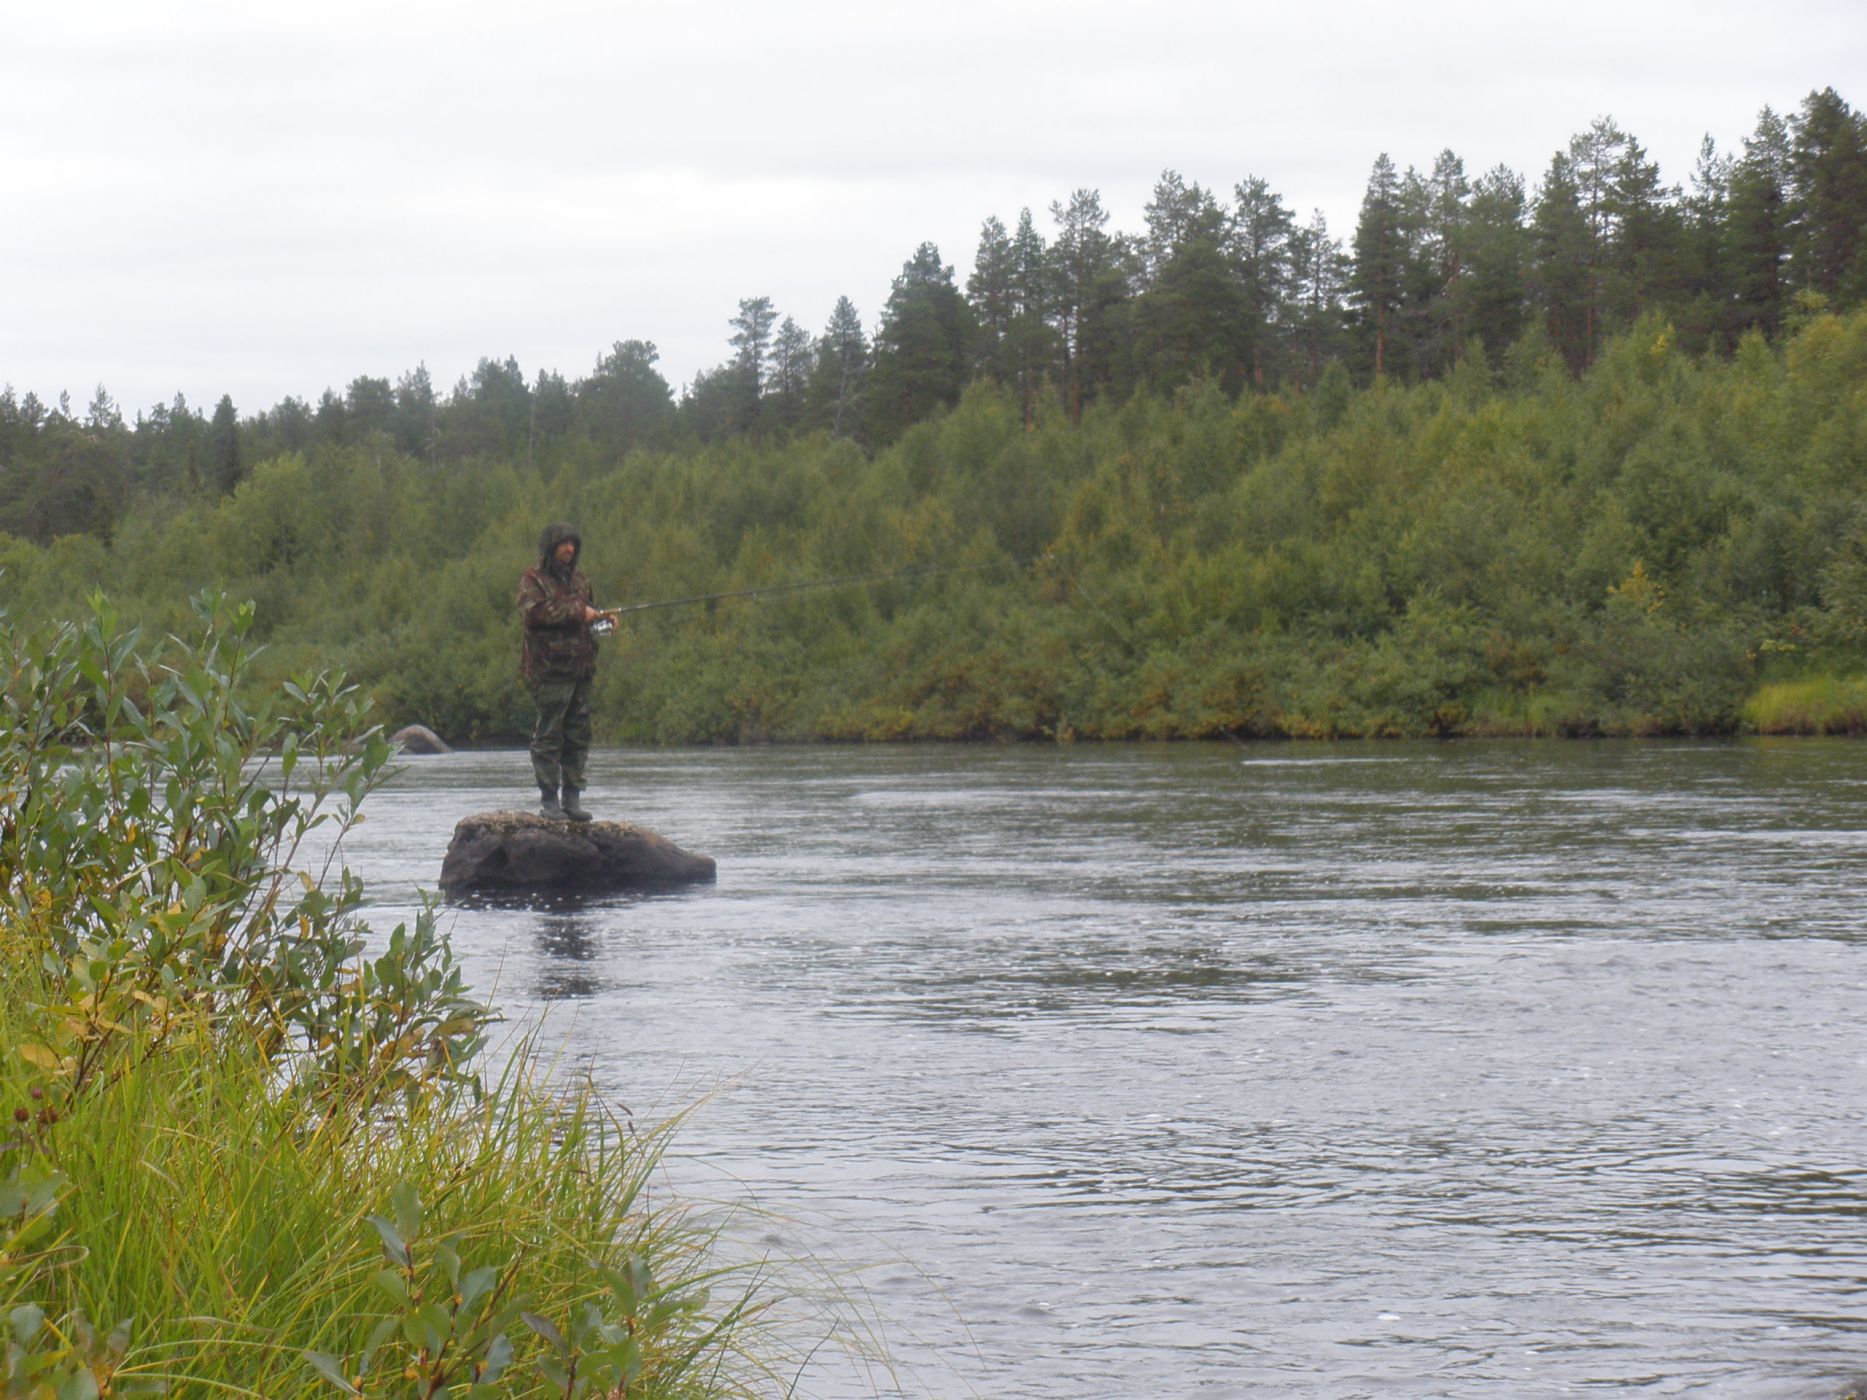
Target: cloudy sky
[(262, 200)]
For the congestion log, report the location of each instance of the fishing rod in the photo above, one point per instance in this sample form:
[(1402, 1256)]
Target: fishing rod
[(922, 571)]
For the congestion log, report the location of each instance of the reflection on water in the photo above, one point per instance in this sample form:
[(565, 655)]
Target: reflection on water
[(569, 961), (1464, 1070)]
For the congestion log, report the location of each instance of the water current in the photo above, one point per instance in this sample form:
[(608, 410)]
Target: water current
[(1445, 1070)]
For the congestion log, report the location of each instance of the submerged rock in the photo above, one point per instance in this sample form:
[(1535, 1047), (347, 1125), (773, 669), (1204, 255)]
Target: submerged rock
[(418, 738), (523, 852)]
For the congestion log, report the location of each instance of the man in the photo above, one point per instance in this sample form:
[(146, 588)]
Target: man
[(559, 664)]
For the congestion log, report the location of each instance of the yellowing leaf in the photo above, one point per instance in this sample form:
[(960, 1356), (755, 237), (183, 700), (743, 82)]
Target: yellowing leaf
[(39, 1055)]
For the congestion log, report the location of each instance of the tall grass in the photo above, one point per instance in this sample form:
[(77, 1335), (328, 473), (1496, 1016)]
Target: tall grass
[(228, 1224), (241, 1157), (1821, 705)]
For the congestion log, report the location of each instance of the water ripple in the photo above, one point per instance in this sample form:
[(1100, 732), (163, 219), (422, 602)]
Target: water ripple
[(1461, 1070)]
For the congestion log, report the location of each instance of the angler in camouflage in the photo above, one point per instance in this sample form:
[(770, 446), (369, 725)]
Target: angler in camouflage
[(559, 665)]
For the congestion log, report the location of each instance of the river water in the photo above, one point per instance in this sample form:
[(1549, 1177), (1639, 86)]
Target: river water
[(1207, 1070)]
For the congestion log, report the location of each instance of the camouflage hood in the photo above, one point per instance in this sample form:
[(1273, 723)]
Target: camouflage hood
[(554, 535)]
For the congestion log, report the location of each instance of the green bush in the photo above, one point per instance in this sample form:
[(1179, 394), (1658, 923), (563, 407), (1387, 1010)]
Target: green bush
[(1308, 528), (252, 1139)]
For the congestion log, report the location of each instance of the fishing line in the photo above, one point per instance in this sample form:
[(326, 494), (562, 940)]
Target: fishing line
[(1051, 557), (925, 571)]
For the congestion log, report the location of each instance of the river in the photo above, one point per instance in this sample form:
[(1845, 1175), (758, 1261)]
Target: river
[(1474, 1069)]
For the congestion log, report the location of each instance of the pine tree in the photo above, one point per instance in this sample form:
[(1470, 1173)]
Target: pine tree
[(1030, 347), (1178, 215), (1828, 164), (489, 414), (554, 408), (1379, 272), (1592, 158), (788, 374), (1562, 284), (711, 405), (1757, 229), (103, 416), (989, 291), (1261, 242), (1030, 269), (176, 455), (1319, 333), (369, 403), (920, 348), (415, 413), (290, 426), (840, 372), (1436, 308), (330, 423), (751, 342), (1191, 316), (1593, 155), (1090, 285), (223, 447), (1642, 260), (626, 403), (1705, 305), (1496, 258)]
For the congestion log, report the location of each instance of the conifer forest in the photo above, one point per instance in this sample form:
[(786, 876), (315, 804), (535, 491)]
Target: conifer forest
[(1571, 453)]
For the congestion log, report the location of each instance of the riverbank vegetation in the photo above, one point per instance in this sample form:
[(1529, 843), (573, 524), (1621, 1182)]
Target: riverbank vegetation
[(1647, 548), (1582, 461), (249, 1149)]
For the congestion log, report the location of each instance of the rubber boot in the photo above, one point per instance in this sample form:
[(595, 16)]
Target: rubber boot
[(572, 807), (548, 803)]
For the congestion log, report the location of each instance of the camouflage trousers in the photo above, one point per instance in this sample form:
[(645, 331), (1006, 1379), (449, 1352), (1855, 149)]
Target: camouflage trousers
[(561, 734)]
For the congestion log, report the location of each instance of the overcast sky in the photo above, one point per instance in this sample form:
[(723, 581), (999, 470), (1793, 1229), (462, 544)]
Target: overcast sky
[(264, 200)]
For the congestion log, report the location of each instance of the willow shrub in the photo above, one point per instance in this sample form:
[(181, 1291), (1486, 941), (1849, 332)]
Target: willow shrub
[(245, 1154)]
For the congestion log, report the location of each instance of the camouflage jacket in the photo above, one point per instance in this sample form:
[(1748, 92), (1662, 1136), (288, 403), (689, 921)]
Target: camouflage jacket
[(558, 642)]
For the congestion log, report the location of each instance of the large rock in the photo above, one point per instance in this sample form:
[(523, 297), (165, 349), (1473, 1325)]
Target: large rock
[(524, 853), (418, 738)]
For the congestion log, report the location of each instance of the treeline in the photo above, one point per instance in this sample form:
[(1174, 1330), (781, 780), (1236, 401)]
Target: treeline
[(1232, 289), (1661, 544)]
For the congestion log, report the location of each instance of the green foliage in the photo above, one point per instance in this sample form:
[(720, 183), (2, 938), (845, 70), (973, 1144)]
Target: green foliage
[(150, 830), (250, 1134), (1234, 294), (1431, 558), (1823, 705)]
